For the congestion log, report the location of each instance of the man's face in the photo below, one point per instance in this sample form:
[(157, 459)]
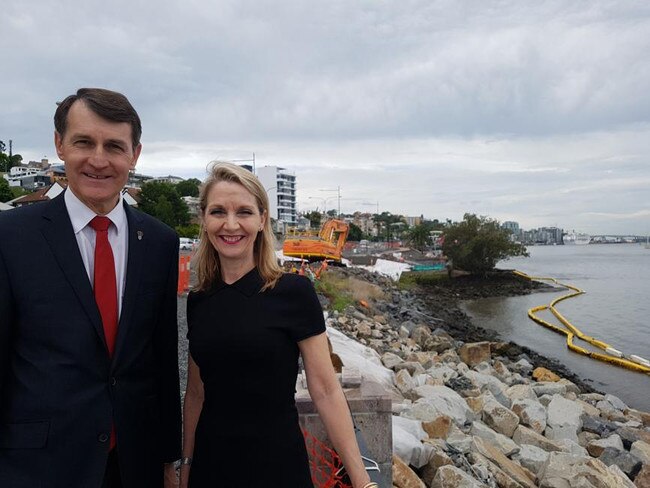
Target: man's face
[(98, 156)]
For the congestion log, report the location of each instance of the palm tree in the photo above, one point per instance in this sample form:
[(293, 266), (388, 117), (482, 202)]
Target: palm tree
[(419, 236)]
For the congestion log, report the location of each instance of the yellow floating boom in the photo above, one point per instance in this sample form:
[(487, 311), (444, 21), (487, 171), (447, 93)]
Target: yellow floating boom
[(612, 356)]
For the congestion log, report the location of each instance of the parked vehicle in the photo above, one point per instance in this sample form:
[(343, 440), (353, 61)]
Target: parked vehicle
[(185, 244)]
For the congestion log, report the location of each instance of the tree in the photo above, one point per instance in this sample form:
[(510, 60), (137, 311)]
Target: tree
[(419, 236), (478, 243), (387, 221), (161, 200), (18, 191), (191, 230), (5, 191), (188, 188), (355, 233), (7, 162), (314, 219)]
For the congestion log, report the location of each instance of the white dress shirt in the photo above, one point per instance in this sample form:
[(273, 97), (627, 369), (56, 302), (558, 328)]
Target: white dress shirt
[(118, 236)]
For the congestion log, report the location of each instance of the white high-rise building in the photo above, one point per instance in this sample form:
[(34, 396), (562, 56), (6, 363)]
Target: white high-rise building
[(280, 186)]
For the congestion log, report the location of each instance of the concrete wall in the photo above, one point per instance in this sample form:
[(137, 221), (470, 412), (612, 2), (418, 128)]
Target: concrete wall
[(371, 409)]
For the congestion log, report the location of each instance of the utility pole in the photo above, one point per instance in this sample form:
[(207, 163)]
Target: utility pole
[(10, 148), (338, 188), (338, 192)]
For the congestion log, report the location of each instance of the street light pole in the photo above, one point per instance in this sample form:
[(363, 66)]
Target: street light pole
[(338, 191)]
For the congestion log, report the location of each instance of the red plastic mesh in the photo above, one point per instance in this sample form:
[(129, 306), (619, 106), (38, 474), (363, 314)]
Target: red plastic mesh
[(324, 462)]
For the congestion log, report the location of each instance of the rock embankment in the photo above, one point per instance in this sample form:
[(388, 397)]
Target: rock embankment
[(484, 413)]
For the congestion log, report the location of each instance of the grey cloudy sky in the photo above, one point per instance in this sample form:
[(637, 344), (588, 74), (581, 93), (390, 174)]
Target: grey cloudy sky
[(534, 111)]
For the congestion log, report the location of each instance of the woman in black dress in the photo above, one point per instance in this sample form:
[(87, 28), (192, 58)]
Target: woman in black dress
[(248, 323)]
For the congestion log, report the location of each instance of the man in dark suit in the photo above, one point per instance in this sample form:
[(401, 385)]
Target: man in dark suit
[(89, 389)]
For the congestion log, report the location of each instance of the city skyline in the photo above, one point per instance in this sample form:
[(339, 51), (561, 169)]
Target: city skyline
[(525, 111)]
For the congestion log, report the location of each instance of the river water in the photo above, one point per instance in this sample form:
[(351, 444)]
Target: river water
[(615, 309)]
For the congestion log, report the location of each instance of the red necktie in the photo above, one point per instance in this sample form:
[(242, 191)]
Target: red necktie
[(105, 287), (104, 281)]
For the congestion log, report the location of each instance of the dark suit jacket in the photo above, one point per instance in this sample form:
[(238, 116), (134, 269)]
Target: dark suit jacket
[(59, 389)]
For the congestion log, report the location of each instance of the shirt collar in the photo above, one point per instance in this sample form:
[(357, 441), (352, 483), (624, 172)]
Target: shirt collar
[(81, 215), (249, 284)]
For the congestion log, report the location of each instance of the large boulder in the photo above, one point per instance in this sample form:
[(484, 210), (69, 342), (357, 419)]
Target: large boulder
[(404, 382), (524, 435), (641, 450), (452, 477), (523, 392), (391, 360), (530, 413), (598, 426), (543, 374), (596, 447), (628, 463), (642, 479), (421, 335), (500, 418), (563, 419), (531, 457), (489, 383), (629, 436), (438, 428), (549, 388), (568, 470), (403, 476), (474, 353), (616, 402), (438, 459), (442, 372), (459, 440), (436, 400), (504, 444), (440, 343), (512, 469)]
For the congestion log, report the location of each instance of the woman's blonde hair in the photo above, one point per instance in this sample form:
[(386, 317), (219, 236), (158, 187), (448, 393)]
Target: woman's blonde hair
[(207, 264)]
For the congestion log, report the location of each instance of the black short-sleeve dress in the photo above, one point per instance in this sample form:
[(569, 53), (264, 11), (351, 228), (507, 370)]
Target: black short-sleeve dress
[(245, 343)]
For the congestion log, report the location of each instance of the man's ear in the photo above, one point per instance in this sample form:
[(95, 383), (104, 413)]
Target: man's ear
[(136, 155), (58, 145)]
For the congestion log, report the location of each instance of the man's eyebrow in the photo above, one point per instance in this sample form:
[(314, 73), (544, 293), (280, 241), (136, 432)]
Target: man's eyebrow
[(119, 142), (79, 135)]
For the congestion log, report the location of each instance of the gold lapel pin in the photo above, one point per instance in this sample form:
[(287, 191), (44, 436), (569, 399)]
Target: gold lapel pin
[(140, 234)]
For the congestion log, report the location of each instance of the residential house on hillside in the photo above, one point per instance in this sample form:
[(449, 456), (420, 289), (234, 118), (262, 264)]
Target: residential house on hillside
[(40, 195), (168, 179), (131, 196)]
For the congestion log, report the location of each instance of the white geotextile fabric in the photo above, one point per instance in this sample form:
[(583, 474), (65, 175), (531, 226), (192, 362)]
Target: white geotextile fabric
[(365, 359), (388, 268), (407, 442), (407, 433)]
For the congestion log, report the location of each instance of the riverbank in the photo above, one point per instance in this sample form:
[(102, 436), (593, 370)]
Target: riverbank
[(443, 298), (472, 410), (440, 298)]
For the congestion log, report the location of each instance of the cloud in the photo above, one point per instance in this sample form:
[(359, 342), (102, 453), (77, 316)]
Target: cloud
[(521, 110)]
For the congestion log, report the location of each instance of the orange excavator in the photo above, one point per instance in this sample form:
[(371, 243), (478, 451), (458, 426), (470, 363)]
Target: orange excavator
[(328, 244)]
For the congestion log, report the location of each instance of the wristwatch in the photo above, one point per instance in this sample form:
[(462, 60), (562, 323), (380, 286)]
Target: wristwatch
[(179, 462)]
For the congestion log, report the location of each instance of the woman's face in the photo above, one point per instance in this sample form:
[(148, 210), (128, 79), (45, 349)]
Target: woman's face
[(232, 221)]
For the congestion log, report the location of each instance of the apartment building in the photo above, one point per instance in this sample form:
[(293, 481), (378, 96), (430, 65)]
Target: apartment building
[(280, 186)]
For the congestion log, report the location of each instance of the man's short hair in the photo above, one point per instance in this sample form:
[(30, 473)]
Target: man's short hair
[(107, 104)]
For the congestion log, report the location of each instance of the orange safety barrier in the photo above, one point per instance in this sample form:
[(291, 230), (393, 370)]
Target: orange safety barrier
[(183, 274), (325, 464)]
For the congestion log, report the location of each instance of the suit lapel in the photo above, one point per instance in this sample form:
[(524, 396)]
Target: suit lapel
[(136, 254), (58, 232)]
